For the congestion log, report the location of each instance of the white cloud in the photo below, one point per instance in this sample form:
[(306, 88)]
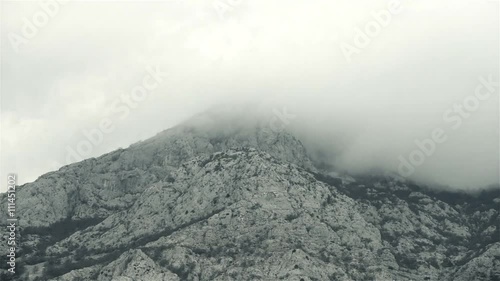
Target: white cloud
[(370, 111)]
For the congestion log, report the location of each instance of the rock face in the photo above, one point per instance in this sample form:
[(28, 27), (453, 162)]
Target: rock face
[(244, 203)]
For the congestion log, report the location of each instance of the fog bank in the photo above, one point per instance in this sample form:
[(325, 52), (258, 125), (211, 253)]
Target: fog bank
[(367, 86)]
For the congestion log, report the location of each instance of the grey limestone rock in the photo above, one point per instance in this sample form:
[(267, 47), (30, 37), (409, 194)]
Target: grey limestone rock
[(198, 202)]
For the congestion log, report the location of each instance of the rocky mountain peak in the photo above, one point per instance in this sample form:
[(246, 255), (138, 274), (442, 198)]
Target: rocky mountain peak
[(226, 199)]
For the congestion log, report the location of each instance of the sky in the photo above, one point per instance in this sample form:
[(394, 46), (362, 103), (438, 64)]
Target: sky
[(404, 86)]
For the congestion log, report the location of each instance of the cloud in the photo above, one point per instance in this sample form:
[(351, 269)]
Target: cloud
[(361, 115)]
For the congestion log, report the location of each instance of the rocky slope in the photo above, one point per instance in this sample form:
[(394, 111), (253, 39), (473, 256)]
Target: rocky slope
[(239, 202)]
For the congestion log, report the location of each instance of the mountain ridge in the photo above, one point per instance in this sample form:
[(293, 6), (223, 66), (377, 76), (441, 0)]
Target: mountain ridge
[(198, 203)]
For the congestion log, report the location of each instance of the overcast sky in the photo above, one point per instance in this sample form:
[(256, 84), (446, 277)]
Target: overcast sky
[(363, 80)]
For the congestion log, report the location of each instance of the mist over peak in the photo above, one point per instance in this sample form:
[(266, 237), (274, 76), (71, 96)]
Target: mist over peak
[(336, 143), (250, 140), (418, 97)]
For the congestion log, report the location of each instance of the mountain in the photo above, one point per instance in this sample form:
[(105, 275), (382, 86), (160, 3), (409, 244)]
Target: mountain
[(219, 198)]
